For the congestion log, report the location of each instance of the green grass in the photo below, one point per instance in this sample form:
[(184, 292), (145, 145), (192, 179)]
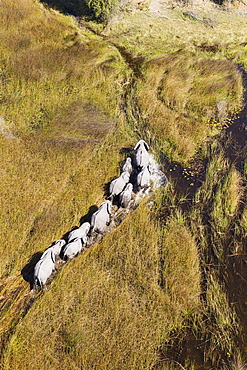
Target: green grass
[(142, 33), (190, 85), (223, 320)]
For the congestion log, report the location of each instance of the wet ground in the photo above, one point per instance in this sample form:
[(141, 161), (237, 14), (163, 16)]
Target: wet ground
[(235, 272), (235, 138), (187, 179), (233, 268)]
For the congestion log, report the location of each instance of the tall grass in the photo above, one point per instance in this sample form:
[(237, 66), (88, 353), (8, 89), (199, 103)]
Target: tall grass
[(51, 191), (48, 64), (214, 221), (108, 309), (243, 221), (222, 324), (181, 274)]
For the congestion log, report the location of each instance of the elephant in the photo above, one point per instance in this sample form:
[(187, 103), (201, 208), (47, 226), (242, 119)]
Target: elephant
[(141, 158), (126, 195), (101, 217)]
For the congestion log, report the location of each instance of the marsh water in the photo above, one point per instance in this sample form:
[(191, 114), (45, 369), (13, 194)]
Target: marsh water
[(235, 273), (232, 269)]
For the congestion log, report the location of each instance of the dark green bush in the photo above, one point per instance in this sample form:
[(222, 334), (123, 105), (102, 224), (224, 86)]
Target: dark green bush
[(102, 9)]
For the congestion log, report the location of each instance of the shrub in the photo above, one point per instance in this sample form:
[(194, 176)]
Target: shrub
[(102, 9)]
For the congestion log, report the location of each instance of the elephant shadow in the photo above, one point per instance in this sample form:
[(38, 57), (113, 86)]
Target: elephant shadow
[(28, 270), (87, 217), (126, 151)]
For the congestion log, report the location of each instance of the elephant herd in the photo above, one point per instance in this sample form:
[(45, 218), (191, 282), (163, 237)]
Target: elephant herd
[(135, 176)]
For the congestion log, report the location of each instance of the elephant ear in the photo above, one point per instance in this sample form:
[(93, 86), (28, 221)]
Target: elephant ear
[(88, 227), (53, 256), (109, 208), (146, 145), (141, 142), (137, 145)]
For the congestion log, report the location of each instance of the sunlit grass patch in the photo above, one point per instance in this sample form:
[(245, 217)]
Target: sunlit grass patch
[(227, 199), (216, 168), (181, 274)]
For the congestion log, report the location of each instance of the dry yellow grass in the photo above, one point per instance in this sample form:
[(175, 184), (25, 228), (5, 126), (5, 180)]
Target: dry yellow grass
[(106, 309), (50, 191), (59, 92), (181, 264)]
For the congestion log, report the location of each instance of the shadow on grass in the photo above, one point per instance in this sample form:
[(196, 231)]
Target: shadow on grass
[(78, 8), (28, 270), (87, 217)]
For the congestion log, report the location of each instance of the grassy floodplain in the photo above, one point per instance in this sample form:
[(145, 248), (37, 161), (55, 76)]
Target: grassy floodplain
[(155, 293)]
